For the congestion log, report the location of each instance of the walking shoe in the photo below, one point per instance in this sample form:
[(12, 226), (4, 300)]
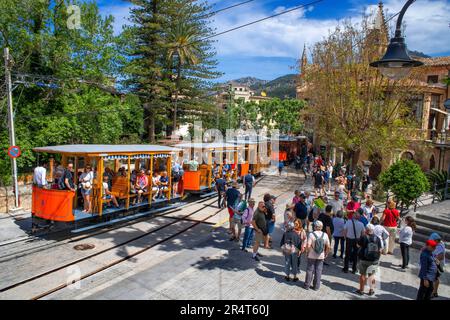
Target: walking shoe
[(371, 292), (358, 292), (334, 256), (259, 255), (287, 278), (345, 270), (256, 258), (295, 279)]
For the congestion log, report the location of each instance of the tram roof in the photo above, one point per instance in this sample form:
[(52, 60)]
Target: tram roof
[(105, 148), (213, 145)]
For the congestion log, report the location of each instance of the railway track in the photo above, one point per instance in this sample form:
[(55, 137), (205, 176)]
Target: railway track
[(186, 217)]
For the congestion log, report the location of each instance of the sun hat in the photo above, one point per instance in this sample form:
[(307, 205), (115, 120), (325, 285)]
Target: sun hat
[(435, 236), (431, 243)]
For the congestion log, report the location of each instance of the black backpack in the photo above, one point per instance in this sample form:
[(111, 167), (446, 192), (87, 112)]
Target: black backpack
[(372, 249)]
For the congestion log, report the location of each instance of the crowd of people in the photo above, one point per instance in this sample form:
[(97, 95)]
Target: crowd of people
[(320, 228)]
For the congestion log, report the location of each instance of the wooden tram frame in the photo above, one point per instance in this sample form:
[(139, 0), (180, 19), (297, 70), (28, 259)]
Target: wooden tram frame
[(58, 205), (202, 179), (252, 146)]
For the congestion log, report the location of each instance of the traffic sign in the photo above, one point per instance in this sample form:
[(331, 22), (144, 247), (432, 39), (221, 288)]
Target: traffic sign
[(14, 152)]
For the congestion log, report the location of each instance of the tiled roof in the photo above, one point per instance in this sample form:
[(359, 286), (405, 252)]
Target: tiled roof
[(435, 62)]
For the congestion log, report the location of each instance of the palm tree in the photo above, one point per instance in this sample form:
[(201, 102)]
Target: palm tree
[(183, 50)]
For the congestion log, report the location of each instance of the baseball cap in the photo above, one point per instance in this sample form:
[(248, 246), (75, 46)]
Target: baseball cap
[(435, 236), (431, 243)]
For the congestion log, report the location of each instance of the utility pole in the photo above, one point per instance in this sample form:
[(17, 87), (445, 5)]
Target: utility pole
[(230, 91), (12, 138)]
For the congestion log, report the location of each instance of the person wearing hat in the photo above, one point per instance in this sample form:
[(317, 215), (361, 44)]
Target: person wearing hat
[(232, 197), (369, 255), (439, 257), (428, 271), (352, 206), (318, 247), (291, 246)]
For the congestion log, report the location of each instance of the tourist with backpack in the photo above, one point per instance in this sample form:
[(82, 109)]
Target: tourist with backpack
[(318, 246), (247, 217), (353, 231), (291, 247), (405, 239), (369, 256), (237, 220)]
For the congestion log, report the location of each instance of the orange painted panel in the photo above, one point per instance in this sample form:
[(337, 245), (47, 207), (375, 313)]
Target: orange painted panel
[(191, 180), (244, 169), (282, 155), (53, 205)]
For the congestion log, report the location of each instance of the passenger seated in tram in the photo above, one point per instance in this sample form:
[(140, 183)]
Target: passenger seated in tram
[(141, 185), (163, 184), (155, 184), (110, 174), (107, 195), (121, 172), (226, 170)]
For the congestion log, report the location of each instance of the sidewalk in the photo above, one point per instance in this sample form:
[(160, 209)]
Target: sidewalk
[(14, 227)]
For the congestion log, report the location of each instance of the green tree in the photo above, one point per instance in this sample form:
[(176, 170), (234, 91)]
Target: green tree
[(406, 180)]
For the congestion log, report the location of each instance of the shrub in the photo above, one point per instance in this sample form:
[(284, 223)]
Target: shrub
[(406, 180)]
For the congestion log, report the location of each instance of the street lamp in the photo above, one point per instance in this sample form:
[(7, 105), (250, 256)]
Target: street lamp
[(397, 63)]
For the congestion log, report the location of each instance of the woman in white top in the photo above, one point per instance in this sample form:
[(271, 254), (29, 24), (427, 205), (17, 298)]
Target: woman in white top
[(381, 233), (86, 180), (405, 239), (369, 209), (318, 247), (330, 174)]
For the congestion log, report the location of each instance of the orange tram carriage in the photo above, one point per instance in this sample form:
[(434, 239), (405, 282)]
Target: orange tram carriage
[(202, 162), (256, 154), (121, 163)]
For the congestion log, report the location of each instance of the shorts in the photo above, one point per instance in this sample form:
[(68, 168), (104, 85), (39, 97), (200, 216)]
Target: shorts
[(367, 268), (259, 237), (231, 212), (85, 192), (270, 226), (107, 197), (237, 223)]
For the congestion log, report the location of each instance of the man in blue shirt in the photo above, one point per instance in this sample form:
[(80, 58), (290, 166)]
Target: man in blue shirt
[(249, 182), (232, 196), (221, 187), (301, 210), (428, 271)]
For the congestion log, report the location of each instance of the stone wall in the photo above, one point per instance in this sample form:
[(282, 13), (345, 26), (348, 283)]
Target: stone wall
[(7, 197)]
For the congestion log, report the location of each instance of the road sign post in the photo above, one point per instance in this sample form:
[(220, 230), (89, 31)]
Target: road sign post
[(12, 138)]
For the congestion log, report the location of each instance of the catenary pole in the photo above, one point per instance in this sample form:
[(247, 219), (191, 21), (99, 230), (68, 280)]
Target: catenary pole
[(12, 138)]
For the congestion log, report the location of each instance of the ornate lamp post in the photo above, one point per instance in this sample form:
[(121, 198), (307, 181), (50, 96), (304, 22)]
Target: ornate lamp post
[(396, 62)]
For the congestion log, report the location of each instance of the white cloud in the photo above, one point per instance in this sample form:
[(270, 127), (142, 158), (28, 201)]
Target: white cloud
[(426, 24), (427, 27)]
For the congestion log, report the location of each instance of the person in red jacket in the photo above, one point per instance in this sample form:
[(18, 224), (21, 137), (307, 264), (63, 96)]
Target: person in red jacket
[(390, 221)]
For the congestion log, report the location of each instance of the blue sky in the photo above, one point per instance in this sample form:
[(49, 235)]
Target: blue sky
[(270, 49)]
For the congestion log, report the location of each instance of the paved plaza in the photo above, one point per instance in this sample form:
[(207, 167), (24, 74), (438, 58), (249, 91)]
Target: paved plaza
[(203, 264)]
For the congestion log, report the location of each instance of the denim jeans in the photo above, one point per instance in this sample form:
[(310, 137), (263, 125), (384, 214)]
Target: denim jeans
[(290, 264), (248, 237), (404, 248)]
